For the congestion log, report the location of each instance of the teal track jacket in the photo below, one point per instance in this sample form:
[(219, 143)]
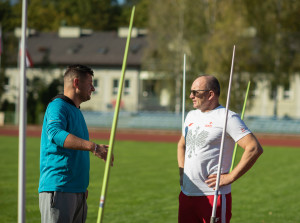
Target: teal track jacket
[(62, 169)]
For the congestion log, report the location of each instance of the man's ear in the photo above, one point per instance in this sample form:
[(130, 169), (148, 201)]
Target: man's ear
[(75, 82), (211, 95)]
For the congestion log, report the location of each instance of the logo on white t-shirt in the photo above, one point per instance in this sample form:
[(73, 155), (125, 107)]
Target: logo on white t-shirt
[(209, 125), (195, 139)]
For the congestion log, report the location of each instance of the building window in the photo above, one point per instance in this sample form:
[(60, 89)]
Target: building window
[(149, 88), (127, 87), (115, 86), (96, 85), (273, 92), (102, 50), (6, 83), (286, 91), (253, 90)]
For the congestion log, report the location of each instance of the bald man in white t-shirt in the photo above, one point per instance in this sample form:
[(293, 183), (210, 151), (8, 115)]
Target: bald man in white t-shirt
[(198, 154)]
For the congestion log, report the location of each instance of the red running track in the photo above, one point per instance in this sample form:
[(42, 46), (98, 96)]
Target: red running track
[(155, 135)]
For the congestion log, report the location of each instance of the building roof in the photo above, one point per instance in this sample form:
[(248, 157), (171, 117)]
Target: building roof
[(96, 49)]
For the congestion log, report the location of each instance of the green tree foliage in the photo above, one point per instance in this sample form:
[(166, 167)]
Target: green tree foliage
[(266, 35), (228, 29), (277, 23), (166, 44), (141, 15), (7, 22), (6, 14), (39, 95), (49, 15), (175, 28)]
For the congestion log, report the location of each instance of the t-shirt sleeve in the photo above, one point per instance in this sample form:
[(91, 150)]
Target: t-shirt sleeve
[(236, 127), (57, 123)]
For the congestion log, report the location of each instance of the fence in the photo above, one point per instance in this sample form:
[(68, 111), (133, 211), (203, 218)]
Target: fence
[(171, 121)]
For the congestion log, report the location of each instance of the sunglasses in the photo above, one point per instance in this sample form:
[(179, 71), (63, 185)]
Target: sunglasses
[(194, 92)]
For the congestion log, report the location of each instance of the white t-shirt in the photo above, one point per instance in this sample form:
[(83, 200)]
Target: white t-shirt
[(203, 134)]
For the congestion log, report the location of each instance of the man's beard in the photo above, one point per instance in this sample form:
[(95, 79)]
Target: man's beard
[(84, 98)]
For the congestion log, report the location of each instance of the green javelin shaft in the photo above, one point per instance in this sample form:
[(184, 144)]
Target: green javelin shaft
[(242, 117), (114, 126)]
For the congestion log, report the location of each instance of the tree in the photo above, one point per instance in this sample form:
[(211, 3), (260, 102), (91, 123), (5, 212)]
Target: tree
[(165, 38), (39, 95), (49, 15), (35, 86), (265, 33), (141, 15), (8, 40), (229, 28), (277, 23), (175, 28)]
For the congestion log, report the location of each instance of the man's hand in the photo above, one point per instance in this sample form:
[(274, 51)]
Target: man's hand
[(101, 152), (225, 179), (180, 157), (181, 176)]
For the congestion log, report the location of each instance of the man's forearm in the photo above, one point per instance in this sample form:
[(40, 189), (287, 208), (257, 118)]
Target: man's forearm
[(74, 142), (247, 161), (181, 152), (252, 151)]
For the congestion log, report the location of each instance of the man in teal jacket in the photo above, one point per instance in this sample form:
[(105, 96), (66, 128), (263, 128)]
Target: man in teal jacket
[(64, 151)]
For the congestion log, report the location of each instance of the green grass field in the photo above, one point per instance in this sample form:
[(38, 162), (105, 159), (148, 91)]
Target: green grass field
[(144, 187)]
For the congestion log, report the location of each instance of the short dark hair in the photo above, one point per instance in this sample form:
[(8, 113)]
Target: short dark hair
[(213, 84), (78, 71)]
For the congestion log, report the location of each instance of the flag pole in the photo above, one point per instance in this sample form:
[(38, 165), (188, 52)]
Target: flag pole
[(114, 126), (214, 210), (22, 121), (242, 117), (183, 90)]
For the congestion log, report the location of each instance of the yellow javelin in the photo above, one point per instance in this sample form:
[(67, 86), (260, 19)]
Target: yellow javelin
[(114, 126), (242, 117)]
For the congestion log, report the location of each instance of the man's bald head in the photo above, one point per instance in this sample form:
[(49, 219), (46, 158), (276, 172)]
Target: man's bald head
[(211, 83)]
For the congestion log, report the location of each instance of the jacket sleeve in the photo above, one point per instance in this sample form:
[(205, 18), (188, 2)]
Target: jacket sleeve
[(57, 122)]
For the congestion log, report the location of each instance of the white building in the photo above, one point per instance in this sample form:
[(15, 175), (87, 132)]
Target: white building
[(286, 104), (104, 51)]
